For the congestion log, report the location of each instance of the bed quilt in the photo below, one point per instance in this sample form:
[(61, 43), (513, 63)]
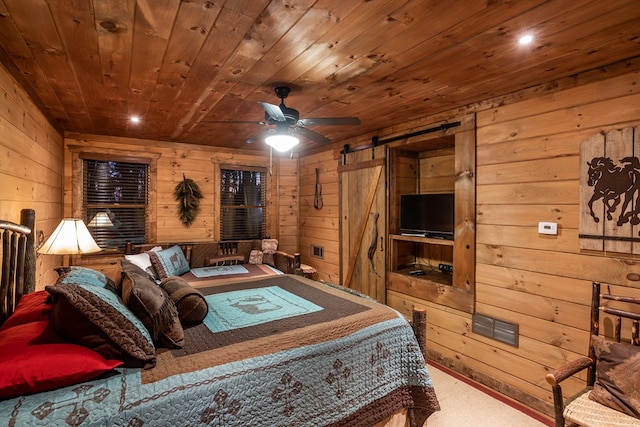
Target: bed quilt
[(274, 351)]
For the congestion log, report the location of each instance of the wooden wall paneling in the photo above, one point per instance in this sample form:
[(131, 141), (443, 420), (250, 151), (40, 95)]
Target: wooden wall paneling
[(465, 211), (528, 237), (616, 112), (202, 164), (31, 168), (555, 101), (528, 215), (551, 286), (453, 344), (320, 227), (437, 172), (567, 342), (596, 267), (286, 189)]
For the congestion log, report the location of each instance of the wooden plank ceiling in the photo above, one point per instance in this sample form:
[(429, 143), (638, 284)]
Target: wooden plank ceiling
[(181, 64)]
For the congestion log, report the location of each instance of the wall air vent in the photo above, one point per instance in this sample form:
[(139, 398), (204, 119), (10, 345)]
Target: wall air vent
[(317, 251), (497, 329)]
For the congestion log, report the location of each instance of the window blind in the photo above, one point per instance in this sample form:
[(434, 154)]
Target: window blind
[(243, 203), (118, 189)]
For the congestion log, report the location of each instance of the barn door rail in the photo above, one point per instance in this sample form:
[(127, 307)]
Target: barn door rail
[(375, 141)]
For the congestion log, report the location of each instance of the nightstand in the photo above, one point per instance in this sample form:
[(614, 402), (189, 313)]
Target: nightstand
[(107, 262)]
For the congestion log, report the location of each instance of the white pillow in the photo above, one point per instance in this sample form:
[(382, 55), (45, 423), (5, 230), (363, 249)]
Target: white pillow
[(143, 261)]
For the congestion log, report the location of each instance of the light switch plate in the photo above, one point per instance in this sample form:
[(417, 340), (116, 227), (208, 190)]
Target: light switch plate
[(548, 228)]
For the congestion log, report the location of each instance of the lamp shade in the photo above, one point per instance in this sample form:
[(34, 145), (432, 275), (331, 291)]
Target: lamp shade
[(69, 238), (100, 220), (282, 142)]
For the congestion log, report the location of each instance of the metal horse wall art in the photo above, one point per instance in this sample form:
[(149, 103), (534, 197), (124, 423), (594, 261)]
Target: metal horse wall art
[(614, 184)]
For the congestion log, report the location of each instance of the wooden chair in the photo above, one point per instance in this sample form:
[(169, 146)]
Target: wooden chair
[(17, 276), (579, 409), (227, 254)]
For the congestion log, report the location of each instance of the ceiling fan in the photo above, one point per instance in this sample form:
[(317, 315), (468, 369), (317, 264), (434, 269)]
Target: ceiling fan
[(289, 125)]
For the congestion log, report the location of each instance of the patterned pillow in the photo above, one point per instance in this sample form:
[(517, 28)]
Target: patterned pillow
[(152, 306), (84, 276), (255, 257), (269, 247), (98, 319), (617, 376), (169, 262)]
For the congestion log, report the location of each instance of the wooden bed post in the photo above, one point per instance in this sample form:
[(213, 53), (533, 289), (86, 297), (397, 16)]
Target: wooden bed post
[(419, 324), (28, 219)]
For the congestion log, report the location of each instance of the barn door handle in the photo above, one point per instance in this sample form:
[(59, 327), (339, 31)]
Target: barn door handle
[(381, 243)]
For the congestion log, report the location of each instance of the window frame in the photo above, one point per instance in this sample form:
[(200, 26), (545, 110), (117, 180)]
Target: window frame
[(80, 153), (265, 189)]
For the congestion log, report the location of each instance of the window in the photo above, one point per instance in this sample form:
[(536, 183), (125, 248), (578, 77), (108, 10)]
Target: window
[(114, 202), (242, 203)]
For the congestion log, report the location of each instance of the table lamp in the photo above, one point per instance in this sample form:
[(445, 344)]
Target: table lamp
[(71, 237)]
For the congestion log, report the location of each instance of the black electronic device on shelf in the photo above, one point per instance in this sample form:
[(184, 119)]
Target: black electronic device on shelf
[(428, 215)]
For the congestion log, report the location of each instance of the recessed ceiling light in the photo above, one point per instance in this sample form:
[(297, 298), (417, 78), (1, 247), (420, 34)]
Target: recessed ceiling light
[(134, 119), (525, 39)]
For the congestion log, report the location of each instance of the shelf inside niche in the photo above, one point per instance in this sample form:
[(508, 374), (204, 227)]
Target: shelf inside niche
[(422, 239), (431, 274)]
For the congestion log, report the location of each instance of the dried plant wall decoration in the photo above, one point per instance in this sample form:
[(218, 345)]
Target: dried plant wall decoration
[(188, 195)]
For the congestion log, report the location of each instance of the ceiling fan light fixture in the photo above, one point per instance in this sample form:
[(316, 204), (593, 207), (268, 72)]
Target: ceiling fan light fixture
[(282, 142)]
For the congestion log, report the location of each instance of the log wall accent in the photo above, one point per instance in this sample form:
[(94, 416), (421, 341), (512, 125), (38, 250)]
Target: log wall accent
[(30, 167)]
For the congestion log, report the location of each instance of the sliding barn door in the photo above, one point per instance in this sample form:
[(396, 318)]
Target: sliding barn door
[(363, 222)]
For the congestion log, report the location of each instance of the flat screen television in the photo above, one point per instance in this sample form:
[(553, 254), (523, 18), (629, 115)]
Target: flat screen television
[(431, 215)]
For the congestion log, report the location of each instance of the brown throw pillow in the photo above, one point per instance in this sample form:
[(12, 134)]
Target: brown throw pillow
[(98, 319), (153, 307), (192, 307), (617, 376)]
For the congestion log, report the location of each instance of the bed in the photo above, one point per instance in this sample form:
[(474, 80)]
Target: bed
[(278, 350)]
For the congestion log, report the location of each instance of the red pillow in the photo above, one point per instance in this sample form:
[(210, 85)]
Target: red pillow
[(33, 358), (31, 308)]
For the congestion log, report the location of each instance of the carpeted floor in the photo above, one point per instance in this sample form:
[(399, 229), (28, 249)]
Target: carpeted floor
[(465, 405)]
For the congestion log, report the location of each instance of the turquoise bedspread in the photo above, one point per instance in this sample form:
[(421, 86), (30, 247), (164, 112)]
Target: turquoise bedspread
[(345, 360)]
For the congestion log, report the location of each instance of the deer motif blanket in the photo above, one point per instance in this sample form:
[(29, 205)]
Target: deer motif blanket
[(274, 351)]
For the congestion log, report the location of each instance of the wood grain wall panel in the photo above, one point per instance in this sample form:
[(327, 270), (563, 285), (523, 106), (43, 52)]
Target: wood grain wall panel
[(537, 178), (199, 163), (320, 227), (287, 199), (527, 215), (31, 167), (528, 170)]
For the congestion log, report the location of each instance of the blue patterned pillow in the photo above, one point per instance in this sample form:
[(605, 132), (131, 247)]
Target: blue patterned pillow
[(169, 262), (98, 319), (84, 276)]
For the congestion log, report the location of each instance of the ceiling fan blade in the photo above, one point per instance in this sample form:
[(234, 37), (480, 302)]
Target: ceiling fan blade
[(260, 136), (309, 134), (330, 121), (273, 111)]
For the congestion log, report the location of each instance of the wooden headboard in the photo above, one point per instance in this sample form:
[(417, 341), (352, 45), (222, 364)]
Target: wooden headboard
[(18, 274)]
